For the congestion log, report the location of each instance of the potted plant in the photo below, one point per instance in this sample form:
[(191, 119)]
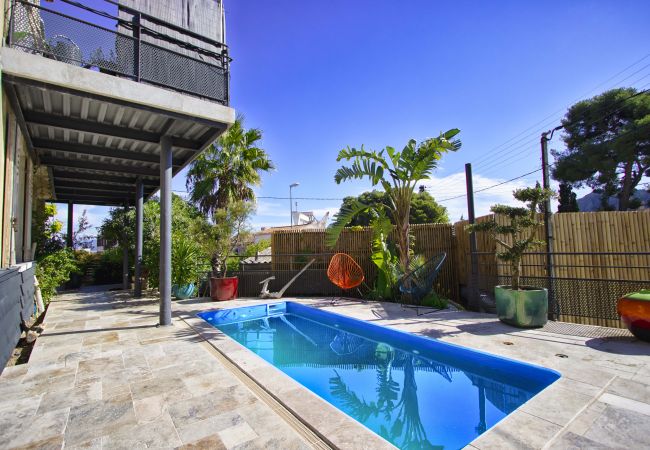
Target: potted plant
[(228, 233), (522, 306), (185, 267)]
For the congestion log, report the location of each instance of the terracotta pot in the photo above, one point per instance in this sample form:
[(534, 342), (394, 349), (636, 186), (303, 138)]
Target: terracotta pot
[(634, 310), (223, 288)]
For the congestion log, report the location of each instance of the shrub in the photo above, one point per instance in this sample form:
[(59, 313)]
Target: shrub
[(53, 270)]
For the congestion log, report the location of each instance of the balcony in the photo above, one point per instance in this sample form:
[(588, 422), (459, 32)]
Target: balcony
[(131, 45)]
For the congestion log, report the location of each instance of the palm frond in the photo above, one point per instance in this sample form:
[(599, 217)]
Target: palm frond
[(341, 220)]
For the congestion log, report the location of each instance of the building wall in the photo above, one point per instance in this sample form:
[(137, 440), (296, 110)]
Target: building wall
[(204, 17), (17, 193)]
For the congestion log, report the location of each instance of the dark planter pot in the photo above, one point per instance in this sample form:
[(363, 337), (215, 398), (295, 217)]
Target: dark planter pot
[(524, 308), (223, 288), (74, 282), (183, 292), (634, 310)]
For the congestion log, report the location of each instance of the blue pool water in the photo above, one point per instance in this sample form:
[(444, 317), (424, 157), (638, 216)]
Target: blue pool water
[(415, 392)]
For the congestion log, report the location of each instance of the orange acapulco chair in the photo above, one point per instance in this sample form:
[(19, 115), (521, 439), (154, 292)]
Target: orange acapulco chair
[(344, 272)]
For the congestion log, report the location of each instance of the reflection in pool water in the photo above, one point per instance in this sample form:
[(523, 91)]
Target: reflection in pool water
[(411, 399)]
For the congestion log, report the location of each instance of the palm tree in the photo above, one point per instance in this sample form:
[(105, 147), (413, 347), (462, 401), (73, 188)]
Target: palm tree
[(227, 169), (398, 174)]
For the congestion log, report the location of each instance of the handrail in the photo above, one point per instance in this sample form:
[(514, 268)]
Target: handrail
[(141, 60)]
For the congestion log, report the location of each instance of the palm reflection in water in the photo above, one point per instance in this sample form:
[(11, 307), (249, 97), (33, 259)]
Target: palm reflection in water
[(403, 415)]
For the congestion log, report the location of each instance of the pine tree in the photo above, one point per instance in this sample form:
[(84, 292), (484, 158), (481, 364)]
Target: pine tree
[(568, 201)]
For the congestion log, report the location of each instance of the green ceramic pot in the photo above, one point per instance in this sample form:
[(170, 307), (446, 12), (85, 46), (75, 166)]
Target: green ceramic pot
[(525, 308), (183, 292)]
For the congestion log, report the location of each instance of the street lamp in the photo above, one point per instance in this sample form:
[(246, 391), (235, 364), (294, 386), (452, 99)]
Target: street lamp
[(291, 186)]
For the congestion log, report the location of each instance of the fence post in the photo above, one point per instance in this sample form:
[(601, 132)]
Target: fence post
[(548, 230), (473, 301)]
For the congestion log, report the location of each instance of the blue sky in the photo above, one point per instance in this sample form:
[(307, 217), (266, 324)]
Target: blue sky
[(318, 76)]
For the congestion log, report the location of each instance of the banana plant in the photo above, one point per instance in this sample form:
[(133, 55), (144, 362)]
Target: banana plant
[(383, 256), (398, 173)]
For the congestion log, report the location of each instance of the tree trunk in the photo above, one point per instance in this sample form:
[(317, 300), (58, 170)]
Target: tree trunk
[(516, 273), (214, 262), (626, 189)]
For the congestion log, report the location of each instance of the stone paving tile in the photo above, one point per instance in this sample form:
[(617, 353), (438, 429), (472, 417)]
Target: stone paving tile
[(625, 403), (509, 435), (194, 409), (170, 388), (547, 405), (70, 398), (37, 387), (99, 418), (100, 338), (14, 372), (150, 408), (616, 427), (584, 421), (212, 442), (18, 409), (52, 443), (53, 370), (92, 444), (206, 383), (572, 441), (158, 434), (631, 389), (201, 429), (20, 432), (237, 435), (98, 366)]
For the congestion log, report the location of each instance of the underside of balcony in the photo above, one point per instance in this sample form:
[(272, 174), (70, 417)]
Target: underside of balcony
[(99, 134)]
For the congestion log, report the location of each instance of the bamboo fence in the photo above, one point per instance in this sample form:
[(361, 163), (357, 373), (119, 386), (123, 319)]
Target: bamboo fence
[(607, 249)]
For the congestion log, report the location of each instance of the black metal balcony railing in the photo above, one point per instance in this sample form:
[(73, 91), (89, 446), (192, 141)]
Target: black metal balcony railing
[(192, 64)]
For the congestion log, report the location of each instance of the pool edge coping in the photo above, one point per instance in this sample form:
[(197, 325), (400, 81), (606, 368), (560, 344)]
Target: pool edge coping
[(506, 430), (285, 390)]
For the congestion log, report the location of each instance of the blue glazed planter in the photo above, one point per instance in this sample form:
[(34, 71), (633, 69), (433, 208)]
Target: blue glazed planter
[(183, 292)]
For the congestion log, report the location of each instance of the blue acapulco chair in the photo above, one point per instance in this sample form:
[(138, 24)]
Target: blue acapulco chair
[(418, 283)]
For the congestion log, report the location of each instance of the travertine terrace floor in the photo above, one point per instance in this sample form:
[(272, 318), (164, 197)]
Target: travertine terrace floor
[(104, 376)]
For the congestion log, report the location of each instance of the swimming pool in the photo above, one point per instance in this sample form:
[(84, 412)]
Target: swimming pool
[(413, 391)]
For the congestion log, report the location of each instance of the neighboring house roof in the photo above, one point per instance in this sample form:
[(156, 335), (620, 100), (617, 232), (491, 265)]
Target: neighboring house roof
[(313, 224), (263, 257)]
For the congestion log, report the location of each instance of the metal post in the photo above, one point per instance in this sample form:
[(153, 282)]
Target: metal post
[(10, 38), (548, 229), (165, 286), (139, 200), (291, 186), (473, 283), (68, 238), (137, 24), (125, 252)]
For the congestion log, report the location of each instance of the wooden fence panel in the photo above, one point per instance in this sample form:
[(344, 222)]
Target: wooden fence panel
[(292, 249), (609, 234)]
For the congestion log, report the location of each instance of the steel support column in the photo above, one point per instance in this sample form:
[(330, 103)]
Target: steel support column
[(165, 286), (125, 252), (68, 238), (139, 200)]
